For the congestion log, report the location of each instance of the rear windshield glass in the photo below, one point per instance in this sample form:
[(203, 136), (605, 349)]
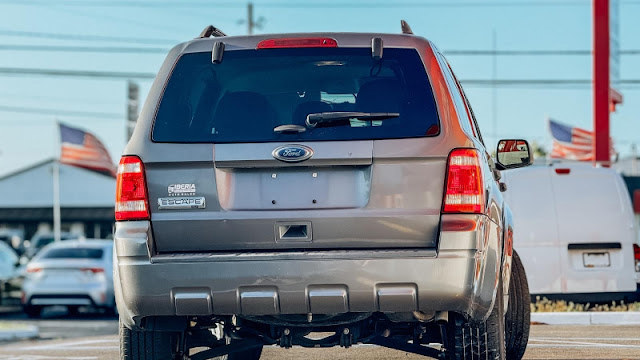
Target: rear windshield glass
[(73, 253), (251, 92), (43, 241)]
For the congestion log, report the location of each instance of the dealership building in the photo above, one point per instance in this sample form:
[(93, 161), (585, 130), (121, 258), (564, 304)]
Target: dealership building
[(86, 200)]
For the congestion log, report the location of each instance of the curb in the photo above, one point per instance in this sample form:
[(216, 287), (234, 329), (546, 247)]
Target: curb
[(18, 332), (587, 318)]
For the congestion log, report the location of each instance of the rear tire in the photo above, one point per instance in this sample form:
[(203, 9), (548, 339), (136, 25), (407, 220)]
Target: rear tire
[(73, 310), (478, 340), (147, 345), (518, 316)]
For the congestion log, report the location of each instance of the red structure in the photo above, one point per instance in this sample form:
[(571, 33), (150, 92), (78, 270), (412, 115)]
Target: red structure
[(601, 98)]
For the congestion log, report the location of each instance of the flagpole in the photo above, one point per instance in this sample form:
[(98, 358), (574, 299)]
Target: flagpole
[(56, 187), (547, 119)]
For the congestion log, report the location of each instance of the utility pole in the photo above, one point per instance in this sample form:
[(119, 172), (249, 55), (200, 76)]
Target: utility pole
[(494, 95), (601, 53), (133, 94), (251, 23)]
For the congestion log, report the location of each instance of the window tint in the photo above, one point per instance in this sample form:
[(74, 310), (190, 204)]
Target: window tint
[(251, 92), (461, 109), (474, 122), (473, 116), (73, 253), (46, 240)]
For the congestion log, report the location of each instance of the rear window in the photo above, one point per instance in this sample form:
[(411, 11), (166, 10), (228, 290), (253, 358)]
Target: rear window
[(73, 253), (46, 240), (251, 92)]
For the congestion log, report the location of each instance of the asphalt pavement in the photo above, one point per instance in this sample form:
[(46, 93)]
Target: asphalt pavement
[(56, 323), (546, 342)]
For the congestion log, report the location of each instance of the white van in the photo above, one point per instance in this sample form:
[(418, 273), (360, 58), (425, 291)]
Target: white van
[(575, 231)]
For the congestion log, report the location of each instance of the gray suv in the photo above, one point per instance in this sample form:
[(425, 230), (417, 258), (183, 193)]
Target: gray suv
[(314, 190)]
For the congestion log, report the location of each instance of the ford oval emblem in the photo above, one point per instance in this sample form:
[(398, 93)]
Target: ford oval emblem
[(292, 153)]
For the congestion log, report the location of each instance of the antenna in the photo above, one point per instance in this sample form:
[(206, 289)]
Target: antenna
[(406, 29)]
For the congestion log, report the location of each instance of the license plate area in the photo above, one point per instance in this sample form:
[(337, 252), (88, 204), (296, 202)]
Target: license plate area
[(600, 259), (338, 187), (293, 231)]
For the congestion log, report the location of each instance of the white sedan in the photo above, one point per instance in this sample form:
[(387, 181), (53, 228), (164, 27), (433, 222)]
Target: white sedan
[(73, 273)]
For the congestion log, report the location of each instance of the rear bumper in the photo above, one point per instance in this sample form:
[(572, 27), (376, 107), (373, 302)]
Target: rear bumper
[(460, 276)]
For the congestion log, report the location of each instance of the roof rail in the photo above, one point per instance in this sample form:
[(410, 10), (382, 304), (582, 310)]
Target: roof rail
[(211, 30), (406, 29)]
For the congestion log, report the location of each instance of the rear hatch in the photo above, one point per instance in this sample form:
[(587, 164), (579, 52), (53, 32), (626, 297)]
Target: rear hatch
[(245, 183)]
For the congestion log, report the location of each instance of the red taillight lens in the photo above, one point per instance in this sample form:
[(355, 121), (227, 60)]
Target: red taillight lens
[(297, 43), (636, 252), (33, 269), (465, 188), (93, 270), (131, 191), (563, 171)]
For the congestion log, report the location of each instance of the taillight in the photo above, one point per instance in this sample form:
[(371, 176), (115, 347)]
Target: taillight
[(636, 256), (93, 270), (131, 192), (316, 42), (465, 187), (32, 270)]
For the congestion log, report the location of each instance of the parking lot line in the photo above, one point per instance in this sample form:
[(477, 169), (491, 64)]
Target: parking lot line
[(587, 338), (75, 345), (47, 357)]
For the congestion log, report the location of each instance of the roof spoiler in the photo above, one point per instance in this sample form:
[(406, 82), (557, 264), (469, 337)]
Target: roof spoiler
[(210, 30), (406, 29)]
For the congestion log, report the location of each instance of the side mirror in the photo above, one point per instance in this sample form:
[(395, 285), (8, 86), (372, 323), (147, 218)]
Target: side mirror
[(513, 153)]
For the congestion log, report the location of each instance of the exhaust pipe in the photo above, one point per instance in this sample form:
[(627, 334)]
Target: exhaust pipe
[(423, 316), (442, 317)]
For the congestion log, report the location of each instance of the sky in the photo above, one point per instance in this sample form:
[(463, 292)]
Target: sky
[(31, 105)]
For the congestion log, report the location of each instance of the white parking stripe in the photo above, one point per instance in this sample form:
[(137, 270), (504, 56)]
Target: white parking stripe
[(583, 346), (569, 342), (75, 345), (584, 338), (75, 324), (45, 357)]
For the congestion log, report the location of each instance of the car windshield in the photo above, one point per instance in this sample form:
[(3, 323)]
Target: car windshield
[(251, 92), (73, 253)]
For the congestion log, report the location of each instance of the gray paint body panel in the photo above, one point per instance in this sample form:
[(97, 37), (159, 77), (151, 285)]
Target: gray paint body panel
[(376, 244)]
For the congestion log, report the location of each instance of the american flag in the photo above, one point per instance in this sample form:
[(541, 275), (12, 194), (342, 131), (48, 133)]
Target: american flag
[(82, 149), (573, 143)]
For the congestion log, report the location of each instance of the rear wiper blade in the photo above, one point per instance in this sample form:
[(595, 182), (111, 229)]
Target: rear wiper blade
[(339, 118)]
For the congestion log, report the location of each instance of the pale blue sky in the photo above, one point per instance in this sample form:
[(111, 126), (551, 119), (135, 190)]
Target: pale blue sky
[(26, 138)]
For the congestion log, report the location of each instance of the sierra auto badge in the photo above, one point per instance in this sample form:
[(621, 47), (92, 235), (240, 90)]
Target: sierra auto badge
[(292, 153)]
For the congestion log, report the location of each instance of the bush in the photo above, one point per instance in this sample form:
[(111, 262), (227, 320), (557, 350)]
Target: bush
[(546, 305)]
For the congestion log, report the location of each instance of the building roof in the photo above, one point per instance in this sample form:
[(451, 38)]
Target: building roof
[(32, 187)]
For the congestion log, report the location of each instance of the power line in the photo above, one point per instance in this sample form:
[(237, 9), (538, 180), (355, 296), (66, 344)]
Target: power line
[(94, 49), (60, 112), (531, 52), (161, 50), (85, 37), (291, 4), (76, 73), (148, 76)]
